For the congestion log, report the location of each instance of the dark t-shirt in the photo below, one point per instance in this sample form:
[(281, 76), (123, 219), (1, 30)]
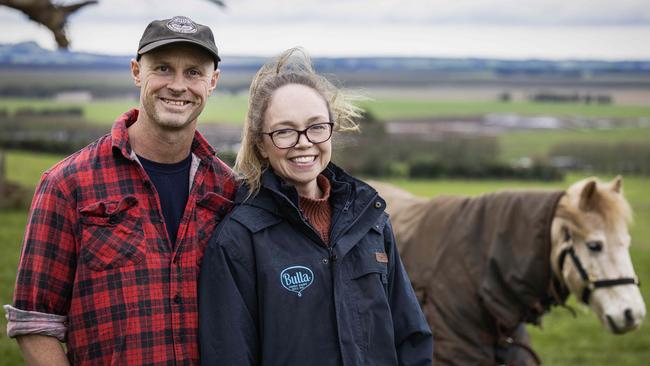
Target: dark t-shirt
[(172, 182)]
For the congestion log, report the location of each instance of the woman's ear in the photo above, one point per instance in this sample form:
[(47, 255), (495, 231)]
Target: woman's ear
[(260, 147)]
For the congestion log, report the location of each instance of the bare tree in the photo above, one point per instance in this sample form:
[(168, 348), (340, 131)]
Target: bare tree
[(54, 16)]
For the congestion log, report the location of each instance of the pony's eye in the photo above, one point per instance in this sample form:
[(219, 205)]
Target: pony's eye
[(595, 246)]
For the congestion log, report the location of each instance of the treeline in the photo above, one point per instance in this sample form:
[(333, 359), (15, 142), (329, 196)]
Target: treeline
[(620, 158), (54, 134), (550, 97), (374, 153)]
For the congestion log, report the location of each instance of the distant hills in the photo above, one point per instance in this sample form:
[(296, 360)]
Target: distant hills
[(31, 55)]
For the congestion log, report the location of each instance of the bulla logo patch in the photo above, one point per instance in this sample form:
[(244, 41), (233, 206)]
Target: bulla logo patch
[(182, 25), (296, 279)]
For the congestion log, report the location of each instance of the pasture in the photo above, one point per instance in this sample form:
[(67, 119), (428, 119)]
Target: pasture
[(562, 341), (228, 108)]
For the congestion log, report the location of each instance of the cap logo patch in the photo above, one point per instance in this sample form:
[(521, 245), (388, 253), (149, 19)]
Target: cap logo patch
[(296, 279), (182, 25)]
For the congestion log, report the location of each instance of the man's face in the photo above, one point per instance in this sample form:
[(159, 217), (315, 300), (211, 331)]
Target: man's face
[(175, 82)]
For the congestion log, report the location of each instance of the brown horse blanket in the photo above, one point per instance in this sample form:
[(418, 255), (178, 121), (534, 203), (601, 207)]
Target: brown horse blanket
[(479, 266)]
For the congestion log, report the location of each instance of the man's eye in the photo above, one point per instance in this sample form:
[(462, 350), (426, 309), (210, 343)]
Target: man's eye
[(194, 73), (162, 68)]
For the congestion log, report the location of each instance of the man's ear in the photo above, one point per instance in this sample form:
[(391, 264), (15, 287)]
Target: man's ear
[(214, 79), (135, 72)]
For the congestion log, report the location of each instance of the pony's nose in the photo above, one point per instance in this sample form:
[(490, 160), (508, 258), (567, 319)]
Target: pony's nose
[(629, 318), (623, 321)]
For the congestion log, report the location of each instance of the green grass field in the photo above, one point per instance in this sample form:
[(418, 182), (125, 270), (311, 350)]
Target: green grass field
[(225, 108), (221, 108), (562, 341)]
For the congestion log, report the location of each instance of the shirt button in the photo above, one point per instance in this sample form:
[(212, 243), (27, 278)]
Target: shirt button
[(377, 204), (177, 299), (325, 261)]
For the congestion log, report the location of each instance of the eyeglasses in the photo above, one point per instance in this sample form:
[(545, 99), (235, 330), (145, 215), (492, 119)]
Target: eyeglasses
[(287, 138)]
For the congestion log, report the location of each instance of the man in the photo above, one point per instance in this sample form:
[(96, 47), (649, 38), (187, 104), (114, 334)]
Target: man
[(117, 230)]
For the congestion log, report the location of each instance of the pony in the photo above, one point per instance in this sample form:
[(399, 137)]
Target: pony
[(484, 266)]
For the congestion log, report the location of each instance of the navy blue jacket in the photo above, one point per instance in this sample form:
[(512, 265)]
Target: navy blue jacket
[(272, 293)]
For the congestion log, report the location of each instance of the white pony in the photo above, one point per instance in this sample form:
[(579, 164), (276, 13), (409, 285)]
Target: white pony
[(590, 251), (479, 278)]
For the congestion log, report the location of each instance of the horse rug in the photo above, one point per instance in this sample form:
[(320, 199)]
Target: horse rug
[(480, 267)]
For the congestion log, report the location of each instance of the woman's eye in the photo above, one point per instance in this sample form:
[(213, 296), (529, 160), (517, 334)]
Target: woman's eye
[(282, 133)]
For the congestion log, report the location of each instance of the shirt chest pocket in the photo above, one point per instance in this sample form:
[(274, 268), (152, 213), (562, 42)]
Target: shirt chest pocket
[(210, 209), (112, 234)]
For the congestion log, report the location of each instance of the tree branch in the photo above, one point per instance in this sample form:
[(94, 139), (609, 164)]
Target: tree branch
[(55, 17), (52, 16)]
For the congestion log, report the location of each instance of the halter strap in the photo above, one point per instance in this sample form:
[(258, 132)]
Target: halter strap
[(591, 285)]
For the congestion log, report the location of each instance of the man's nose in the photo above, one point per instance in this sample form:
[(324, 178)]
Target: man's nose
[(178, 83)]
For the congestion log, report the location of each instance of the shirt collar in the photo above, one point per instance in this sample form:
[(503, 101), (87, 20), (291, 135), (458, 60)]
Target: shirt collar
[(120, 136)]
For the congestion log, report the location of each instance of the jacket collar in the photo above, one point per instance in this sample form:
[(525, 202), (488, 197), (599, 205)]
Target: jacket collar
[(353, 203)]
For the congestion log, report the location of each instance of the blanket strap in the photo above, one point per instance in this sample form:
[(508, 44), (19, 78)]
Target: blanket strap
[(511, 342)]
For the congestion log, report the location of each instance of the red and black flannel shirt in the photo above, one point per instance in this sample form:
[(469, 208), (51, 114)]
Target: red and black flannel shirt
[(96, 249)]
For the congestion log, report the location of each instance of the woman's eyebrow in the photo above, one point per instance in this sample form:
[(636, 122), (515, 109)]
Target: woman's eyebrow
[(294, 124)]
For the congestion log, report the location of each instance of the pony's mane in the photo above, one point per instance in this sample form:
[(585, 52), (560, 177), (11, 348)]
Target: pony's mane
[(610, 205)]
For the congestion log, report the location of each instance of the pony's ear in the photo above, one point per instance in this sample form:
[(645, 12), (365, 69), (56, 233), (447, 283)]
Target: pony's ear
[(587, 195), (617, 184)]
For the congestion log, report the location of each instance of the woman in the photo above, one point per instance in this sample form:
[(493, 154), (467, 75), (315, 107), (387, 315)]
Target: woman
[(304, 270)]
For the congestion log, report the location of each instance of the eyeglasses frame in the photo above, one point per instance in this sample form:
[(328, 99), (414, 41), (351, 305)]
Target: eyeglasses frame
[(300, 132)]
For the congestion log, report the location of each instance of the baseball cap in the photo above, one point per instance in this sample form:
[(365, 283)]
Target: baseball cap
[(177, 29)]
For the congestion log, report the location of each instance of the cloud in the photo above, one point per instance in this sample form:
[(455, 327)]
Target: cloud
[(483, 28), (339, 12)]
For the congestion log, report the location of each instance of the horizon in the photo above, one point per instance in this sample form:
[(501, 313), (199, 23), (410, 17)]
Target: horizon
[(253, 56)]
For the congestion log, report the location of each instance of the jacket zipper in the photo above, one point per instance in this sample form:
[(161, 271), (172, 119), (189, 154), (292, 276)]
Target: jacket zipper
[(363, 211)]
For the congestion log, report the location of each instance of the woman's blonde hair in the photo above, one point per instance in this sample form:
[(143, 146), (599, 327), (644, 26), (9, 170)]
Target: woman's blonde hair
[(293, 66)]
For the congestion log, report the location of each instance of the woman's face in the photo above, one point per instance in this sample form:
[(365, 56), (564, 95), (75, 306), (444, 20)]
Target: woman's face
[(298, 107)]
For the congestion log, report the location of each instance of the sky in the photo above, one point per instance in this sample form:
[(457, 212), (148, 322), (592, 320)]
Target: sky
[(504, 29)]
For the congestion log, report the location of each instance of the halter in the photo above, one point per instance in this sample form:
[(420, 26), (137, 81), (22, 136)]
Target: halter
[(591, 285)]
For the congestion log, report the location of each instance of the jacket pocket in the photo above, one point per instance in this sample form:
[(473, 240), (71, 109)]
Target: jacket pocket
[(371, 263), (368, 284), (112, 234)]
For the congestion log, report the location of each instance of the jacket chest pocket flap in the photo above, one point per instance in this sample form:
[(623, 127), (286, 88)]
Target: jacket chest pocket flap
[(368, 263), (112, 234)]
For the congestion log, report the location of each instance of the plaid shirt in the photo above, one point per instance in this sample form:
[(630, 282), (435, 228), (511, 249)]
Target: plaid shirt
[(96, 249)]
